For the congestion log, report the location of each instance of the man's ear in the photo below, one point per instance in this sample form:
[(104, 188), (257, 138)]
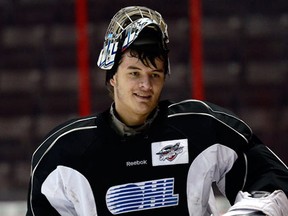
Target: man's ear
[(112, 81)]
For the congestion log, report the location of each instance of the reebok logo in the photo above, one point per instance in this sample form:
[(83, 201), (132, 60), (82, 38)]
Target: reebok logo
[(136, 163)]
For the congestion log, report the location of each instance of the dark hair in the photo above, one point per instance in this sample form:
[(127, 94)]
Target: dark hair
[(147, 47)]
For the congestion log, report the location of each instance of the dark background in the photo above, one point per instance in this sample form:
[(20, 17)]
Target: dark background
[(245, 46)]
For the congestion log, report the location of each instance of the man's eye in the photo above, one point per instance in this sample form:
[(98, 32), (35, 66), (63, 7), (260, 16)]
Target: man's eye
[(155, 75), (134, 73)]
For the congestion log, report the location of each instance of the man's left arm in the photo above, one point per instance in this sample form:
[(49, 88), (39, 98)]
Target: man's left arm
[(266, 185)]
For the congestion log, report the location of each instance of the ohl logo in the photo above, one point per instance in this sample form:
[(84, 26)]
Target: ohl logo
[(170, 152), (141, 196)]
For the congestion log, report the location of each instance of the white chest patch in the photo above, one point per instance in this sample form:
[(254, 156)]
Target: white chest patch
[(170, 152)]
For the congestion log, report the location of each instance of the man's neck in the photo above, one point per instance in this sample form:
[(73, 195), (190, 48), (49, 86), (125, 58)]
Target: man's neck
[(128, 130)]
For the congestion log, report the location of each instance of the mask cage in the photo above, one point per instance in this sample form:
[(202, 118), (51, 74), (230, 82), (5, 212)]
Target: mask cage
[(127, 24)]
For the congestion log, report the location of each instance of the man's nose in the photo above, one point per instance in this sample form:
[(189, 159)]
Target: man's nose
[(145, 83)]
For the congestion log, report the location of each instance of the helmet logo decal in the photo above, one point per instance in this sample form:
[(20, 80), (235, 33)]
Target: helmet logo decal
[(134, 29), (107, 55)]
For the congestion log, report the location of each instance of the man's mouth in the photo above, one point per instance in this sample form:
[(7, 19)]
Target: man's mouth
[(143, 96)]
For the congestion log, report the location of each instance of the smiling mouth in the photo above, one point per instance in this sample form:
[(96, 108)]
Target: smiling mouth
[(143, 96)]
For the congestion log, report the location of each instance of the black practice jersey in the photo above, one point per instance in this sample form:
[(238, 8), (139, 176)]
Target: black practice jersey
[(84, 167)]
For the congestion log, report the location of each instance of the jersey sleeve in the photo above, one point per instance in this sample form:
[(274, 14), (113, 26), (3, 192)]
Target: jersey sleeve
[(259, 169), (63, 146), (256, 168)]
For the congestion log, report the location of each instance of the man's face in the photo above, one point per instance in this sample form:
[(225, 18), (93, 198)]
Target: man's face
[(137, 89)]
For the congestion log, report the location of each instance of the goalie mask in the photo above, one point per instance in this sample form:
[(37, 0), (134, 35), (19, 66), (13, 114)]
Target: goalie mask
[(125, 28)]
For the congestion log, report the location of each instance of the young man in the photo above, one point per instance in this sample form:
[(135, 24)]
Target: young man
[(143, 156)]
